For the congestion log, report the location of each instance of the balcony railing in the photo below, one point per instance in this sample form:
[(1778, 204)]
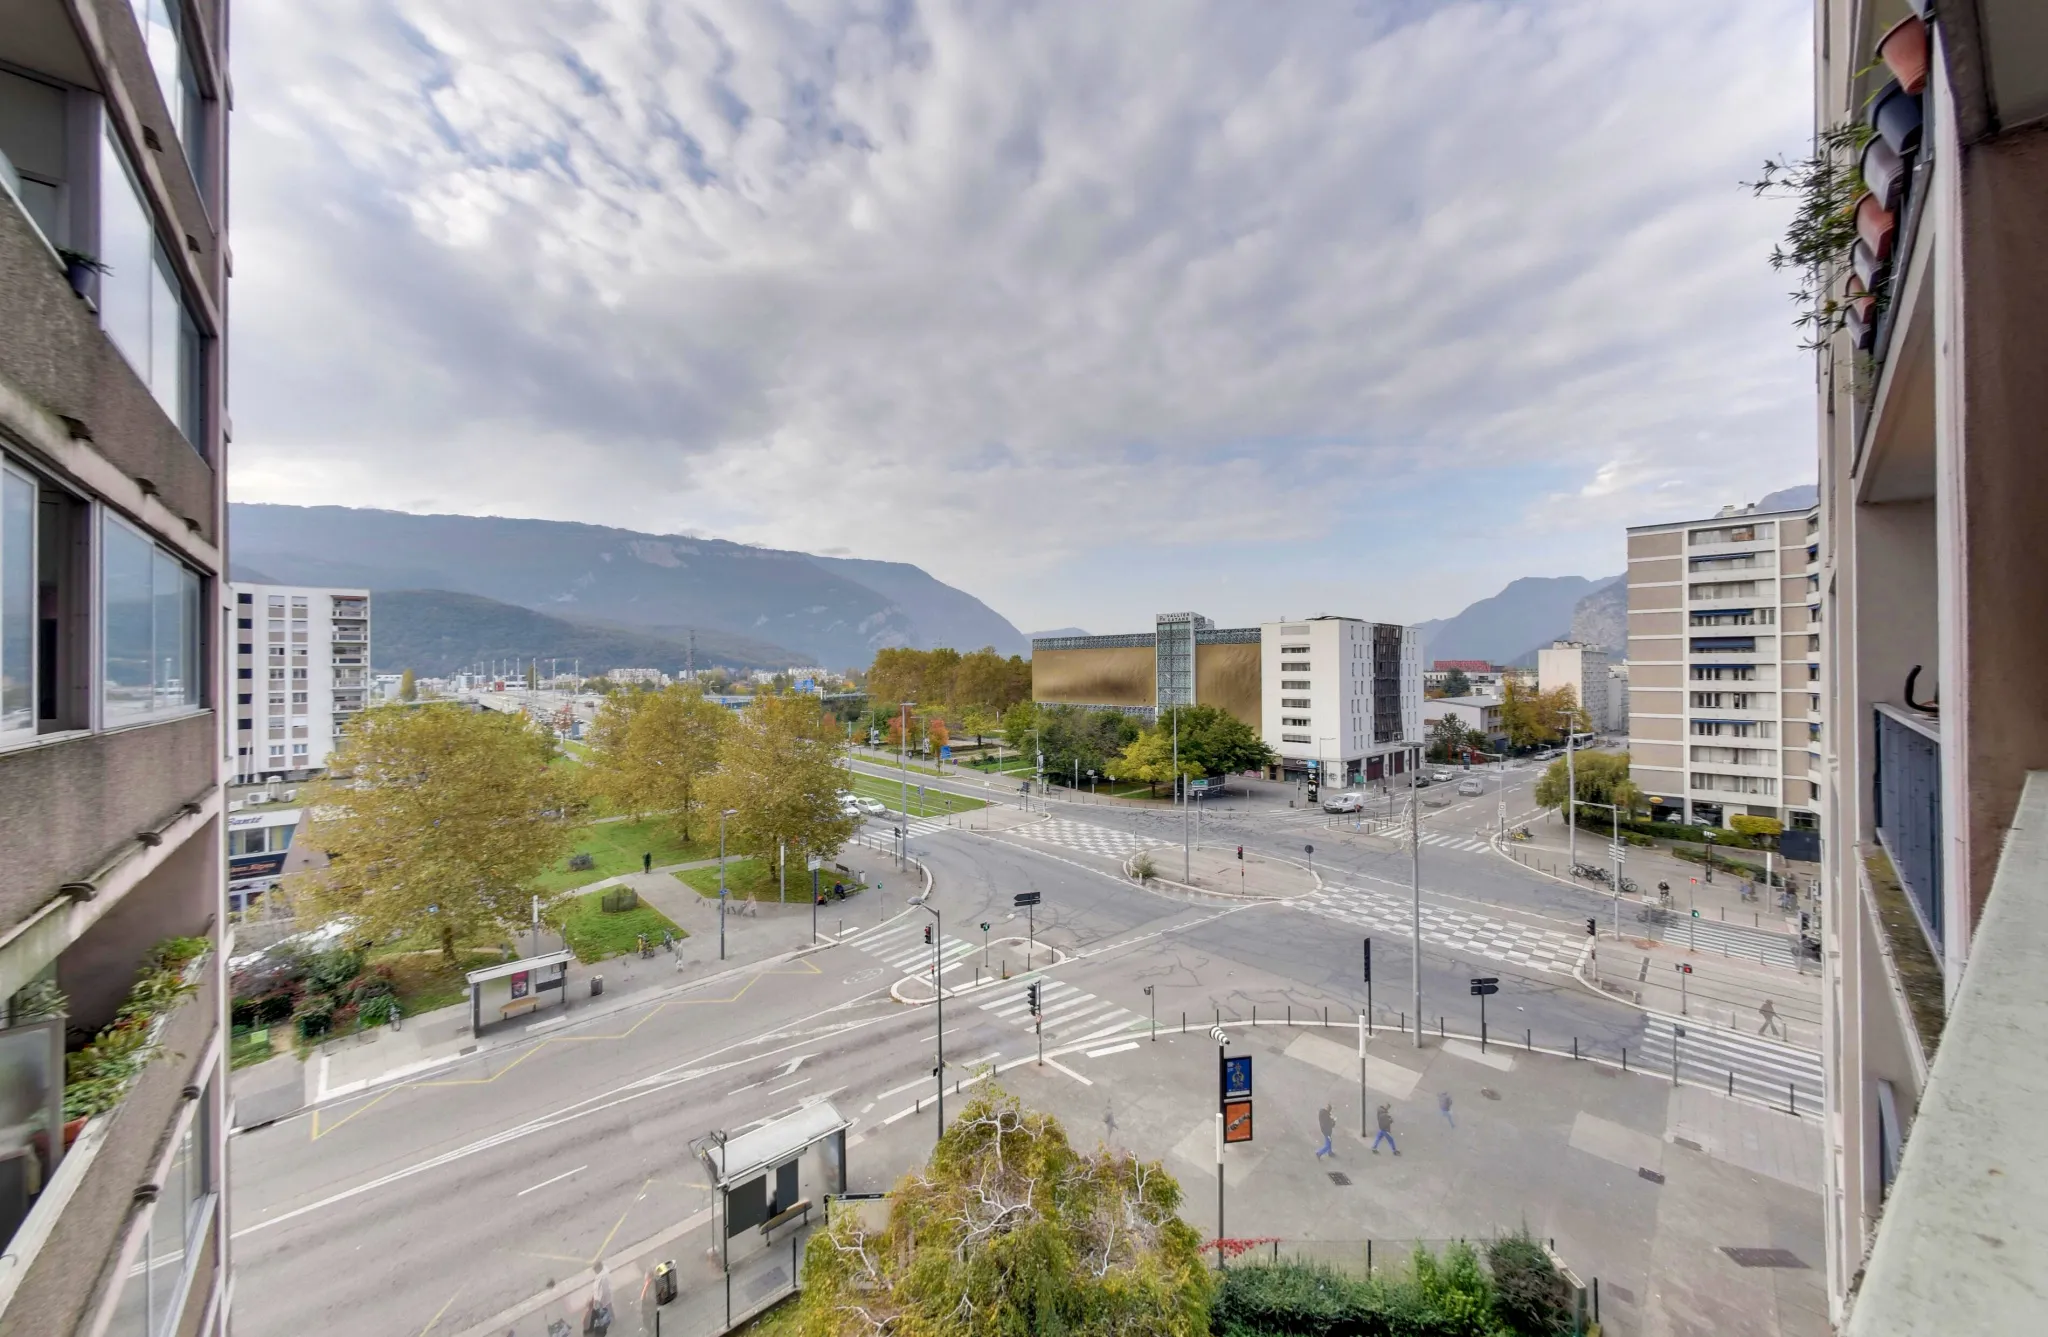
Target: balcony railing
[(1964, 1230), (1906, 797)]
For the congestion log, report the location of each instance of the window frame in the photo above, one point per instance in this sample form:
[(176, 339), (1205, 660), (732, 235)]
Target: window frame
[(196, 680)]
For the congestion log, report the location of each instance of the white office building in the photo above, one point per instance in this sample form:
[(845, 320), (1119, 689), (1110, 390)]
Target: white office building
[(1342, 697), (1584, 669), (302, 670)]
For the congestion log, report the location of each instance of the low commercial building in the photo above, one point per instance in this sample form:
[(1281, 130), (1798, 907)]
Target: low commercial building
[(1337, 695), (1480, 715)]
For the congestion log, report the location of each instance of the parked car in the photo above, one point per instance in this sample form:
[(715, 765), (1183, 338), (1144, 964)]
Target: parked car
[(1471, 788), (1349, 801), (849, 806)]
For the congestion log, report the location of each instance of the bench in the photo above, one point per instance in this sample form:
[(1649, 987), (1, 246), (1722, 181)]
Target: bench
[(517, 1007), (801, 1207)]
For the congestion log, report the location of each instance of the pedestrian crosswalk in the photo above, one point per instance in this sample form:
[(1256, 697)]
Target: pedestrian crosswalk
[(1461, 931), (1444, 840), (902, 946), (1736, 940), (1711, 1056), (1070, 1015), (1086, 838)]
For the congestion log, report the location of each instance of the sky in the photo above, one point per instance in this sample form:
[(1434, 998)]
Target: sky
[(1093, 310)]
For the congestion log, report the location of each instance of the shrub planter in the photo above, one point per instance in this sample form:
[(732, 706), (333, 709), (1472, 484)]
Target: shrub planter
[(1903, 49), (1876, 226)]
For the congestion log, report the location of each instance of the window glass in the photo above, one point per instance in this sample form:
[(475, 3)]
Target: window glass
[(17, 603), (125, 600), (169, 630), (127, 249)]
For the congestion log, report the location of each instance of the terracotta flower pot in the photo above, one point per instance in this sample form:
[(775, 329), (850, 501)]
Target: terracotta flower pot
[(1903, 49), (1876, 226), (71, 1131), (1895, 115), (1884, 171)]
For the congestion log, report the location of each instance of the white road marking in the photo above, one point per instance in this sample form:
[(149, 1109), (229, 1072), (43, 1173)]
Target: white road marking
[(1113, 1049), (791, 1087), (1055, 1063), (556, 1180)]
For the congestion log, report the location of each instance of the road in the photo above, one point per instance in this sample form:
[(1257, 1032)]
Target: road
[(429, 1206)]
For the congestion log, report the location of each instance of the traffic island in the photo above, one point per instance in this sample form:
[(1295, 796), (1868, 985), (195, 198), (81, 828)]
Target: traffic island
[(1225, 870), (1004, 959)]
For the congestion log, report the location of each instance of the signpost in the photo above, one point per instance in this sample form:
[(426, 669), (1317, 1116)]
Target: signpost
[(1233, 1108), (1684, 975), (1027, 901), (1481, 987)]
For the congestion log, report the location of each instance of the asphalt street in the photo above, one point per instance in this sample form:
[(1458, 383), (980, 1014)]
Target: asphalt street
[(428, 1206)]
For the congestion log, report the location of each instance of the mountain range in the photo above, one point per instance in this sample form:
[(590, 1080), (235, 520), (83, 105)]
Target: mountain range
[(1509, 626), (765, 602)]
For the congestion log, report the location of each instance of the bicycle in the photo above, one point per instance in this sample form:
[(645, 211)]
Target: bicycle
[(1629, 886)]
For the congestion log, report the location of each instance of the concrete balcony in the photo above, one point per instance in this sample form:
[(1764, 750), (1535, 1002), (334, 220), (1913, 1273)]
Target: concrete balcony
[(1965, 1224)]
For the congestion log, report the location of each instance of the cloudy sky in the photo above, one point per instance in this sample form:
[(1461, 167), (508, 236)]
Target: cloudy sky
[(1091, 309)]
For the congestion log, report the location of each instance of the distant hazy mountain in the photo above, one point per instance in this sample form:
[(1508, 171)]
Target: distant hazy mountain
[(437, 632), (1791, 499), (1056, 631), (837, 612), (1601, 618), (1530, 612)]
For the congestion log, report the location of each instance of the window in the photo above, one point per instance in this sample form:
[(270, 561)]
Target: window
[(150, 627), (17, 604), (255, 840), (1731, 534), (277, 674), (1294, 684), (1734, 784), (1735, 756), (298, 749), (1748, 561), (1726, 589), (1723, 644), (1294, 738), (1735, 617), (298, 675), (1723, 673), (142, 303), (277, 751), (163, 32), (1299, 703), (1297, 721), (245, 598), (32, 138)]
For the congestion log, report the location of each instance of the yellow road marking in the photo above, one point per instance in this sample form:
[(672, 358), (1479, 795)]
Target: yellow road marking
[(438, 1312), (621, 1221), (318, 1132)]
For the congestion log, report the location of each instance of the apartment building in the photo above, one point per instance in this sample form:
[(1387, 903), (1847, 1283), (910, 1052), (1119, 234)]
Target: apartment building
[(1584, 669), (1934, 610), (113, 743), (1342, 697), (1724, 667), (306, 653)]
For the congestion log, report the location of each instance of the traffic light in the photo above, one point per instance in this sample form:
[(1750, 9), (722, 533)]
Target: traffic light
[(927, 935), (1592, 928), (1368, 962), (1240, 854), (1031, 996)]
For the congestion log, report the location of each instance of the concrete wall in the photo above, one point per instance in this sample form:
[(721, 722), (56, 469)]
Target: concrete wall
[(1652, 596), (65, 806), (1668, 544)]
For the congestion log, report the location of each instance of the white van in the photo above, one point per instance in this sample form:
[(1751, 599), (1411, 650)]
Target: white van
[(1349, 801)]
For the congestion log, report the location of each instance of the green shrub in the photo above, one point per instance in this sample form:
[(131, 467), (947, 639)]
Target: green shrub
[(1449, 1296), (375, 1011), (618, 900), (1530, 1295)]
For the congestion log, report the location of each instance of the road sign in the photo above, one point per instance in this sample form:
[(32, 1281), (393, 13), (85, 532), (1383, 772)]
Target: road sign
[(1237, 1121), (1237, 1077), (1484, 985), (813, 864), (1308, 849), (1024, 898), (1219, 1035)]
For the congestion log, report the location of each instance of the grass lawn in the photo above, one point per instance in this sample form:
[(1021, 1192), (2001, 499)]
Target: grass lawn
[(754, 879), (878, 757), (425, 981), (594, 935), (616, 847), (936, 803)]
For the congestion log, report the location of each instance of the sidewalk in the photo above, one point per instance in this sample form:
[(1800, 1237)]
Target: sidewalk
[(1649, 1187), (1720, 991), (1721, 900)]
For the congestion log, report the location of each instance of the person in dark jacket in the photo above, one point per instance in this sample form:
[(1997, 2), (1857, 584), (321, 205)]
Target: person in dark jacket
[(1386, 1133), (1328, 1123)]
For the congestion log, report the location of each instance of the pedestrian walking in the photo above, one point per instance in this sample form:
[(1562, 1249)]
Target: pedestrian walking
[(1769, 1012), (1109, 1123), (1386, 1133), (597, 1319), (1328, 1123), (647, 861), (1443, 1103)]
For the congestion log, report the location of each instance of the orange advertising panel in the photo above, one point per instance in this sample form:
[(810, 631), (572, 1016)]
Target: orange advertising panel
[(1237, 1121)]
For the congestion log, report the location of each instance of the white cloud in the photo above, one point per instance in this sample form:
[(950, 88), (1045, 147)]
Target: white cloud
[(898, 278)]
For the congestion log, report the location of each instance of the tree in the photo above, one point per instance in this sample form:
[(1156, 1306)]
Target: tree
[(980, 721), (1449, 736), (778, 772), (532, 676), (1603, 777), (1533, 718), (1149, 758), (408, 690), (651, 752), (1218, 741), (435, 820), (1019, 723), (1762, 829), (1457, 684), (1007, 1229)]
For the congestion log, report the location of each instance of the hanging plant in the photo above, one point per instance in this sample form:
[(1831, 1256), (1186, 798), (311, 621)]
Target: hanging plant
[(1817, 244), (97, 1076)]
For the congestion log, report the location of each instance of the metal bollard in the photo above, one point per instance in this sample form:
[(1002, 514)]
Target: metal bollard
[(1575, 1049)]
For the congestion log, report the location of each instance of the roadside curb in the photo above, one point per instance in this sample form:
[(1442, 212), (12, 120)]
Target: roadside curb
[(1243, 897)]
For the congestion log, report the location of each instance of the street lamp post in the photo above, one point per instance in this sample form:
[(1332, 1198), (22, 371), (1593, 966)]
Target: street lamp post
[(938, 1000), (1154, 1003), (1571, 800), (1616, 811), (903, 757), (729, 812), (1415, 881)]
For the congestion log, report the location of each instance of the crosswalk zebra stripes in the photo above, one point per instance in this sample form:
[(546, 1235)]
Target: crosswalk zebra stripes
[(902, 946), (1070, 1015), (1443, 840), (1462, 931), (1736, 940), (1712, 1056)]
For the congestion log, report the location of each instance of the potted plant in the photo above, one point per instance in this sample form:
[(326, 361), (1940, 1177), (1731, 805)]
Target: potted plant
[(1884, 171), (1895, 114), (79, 269), (1876, 226), (1903, 49)]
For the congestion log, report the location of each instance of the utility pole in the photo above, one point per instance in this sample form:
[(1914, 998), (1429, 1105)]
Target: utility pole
[(1415, 883), (1571, 772), (903, 762)]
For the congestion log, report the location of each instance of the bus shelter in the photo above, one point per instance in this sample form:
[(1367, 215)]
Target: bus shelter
[(772, 1174), (514, 988)]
